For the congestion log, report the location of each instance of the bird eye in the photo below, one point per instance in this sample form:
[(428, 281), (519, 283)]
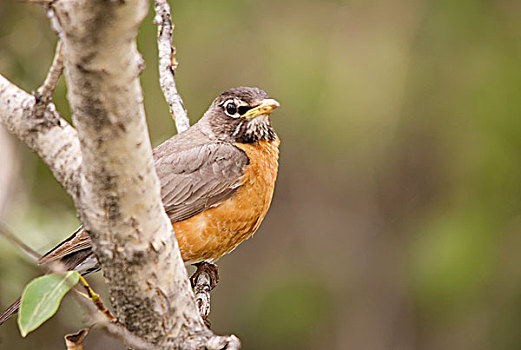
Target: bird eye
[(230, 109)]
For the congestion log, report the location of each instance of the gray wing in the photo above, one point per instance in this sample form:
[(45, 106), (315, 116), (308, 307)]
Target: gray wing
[(199, 177), (192, 180)]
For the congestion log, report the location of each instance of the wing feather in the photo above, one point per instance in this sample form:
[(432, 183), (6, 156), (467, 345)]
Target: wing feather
[(199, 177), (192, 180)]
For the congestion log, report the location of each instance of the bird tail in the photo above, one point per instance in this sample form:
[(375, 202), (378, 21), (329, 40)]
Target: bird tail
[(81, 260), (10, 311)]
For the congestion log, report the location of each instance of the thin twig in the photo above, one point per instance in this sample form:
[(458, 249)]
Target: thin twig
[(95, 298), (7, 234), (43, 94), (101, 319), (53, 267), (55, 25), (168, 64), (96, 309)]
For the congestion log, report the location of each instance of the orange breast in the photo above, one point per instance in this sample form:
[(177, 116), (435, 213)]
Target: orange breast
[(217, 231)]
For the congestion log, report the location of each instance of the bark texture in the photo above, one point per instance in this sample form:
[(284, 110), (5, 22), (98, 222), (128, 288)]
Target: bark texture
[(120, 202), (50, 136), (106, 165)]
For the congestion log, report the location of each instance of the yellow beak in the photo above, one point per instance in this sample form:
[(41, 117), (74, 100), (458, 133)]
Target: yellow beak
[(265, 107)]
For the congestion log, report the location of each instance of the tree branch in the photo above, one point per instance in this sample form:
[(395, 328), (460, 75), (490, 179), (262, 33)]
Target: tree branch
[(93, 305), (120, 203), (168, 64), (117, 330), (50, 136), (44, 93), (116, 189), (167, 67), (55, 25)]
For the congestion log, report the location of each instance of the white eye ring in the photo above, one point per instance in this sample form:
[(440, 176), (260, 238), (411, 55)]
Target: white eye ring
[(230, 108)]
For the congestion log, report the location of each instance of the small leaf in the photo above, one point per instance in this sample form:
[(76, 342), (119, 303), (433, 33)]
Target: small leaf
[(41, 299)]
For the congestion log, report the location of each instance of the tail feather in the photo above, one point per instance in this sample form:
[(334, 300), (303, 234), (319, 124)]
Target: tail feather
[(10, 311)]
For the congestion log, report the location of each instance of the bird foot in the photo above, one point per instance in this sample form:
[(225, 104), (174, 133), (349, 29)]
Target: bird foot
[(207, 322), (208, 268)]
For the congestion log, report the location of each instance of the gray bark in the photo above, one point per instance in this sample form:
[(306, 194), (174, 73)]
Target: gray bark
[(50, 136), (106, 165)]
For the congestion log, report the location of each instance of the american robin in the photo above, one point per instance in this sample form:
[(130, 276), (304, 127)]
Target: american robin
[(217, 181)]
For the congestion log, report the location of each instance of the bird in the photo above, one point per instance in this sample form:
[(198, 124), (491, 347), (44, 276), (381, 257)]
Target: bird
[(217, 182)]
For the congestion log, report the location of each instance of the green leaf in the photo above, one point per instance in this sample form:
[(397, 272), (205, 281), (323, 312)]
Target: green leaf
[(41, 299)]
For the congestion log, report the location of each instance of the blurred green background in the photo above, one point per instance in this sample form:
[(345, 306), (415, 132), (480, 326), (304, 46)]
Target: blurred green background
[(397, 214)]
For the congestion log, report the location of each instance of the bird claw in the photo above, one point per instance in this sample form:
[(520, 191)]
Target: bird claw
[(210, 269)]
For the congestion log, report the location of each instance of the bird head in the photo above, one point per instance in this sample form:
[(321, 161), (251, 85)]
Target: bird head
[(242, 115)]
